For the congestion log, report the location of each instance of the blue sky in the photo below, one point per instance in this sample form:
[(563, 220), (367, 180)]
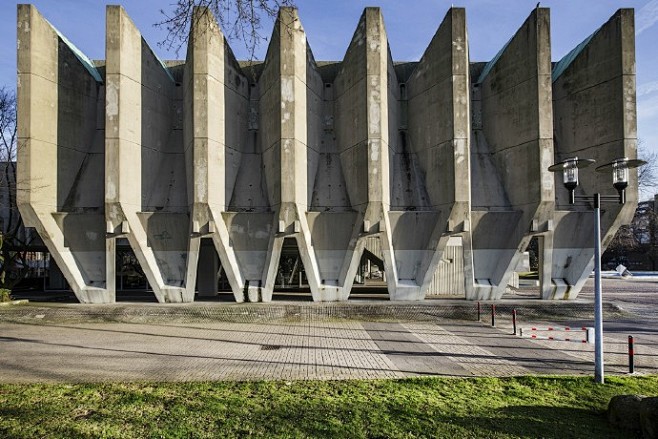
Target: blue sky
[(410, 26)]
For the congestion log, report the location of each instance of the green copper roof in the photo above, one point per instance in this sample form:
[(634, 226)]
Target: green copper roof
[(566, 61), (89, 65), (86, 62), (166, 69), (490, 65)]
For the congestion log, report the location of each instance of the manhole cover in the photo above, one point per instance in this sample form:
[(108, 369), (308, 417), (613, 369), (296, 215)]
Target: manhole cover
[(270, 347)]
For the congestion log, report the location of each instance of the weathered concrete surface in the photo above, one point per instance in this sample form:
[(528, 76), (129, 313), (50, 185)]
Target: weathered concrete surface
[(215, 146), (361, 94), (146, 193), (61, 155), (437, 144), (595, 117), (287, 81), (350, 132), (513, 191), (368, 133), (334, 156)]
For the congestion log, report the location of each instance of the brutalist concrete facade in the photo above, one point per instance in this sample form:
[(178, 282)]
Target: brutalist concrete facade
[(331, 154)]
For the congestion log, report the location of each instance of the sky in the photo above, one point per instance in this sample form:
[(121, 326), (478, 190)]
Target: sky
[(410, 25)]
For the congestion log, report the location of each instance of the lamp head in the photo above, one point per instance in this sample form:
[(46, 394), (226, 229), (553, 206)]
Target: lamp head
[(569, 169), (619, 168)]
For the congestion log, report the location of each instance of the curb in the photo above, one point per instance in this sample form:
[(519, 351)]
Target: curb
[(289, 312), (15, 302)]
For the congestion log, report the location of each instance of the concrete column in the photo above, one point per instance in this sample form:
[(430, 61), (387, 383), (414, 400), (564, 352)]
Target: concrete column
[(145, 185), (512, 190), (60, 133), (594, 117), (289, 77), (362, 139), (214, 132), (438, 139)]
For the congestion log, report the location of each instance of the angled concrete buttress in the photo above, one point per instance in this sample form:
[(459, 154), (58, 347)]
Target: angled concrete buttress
[(145, 183), (511, 150), (595, 117), (215, 130), (61, 152), (366, 94), (435, 137), (283, 131)]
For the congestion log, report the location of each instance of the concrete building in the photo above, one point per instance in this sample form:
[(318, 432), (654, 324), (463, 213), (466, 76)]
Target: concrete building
[(209, 162)]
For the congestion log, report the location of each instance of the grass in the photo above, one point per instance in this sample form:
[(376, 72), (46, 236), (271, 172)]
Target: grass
[(548, 407)]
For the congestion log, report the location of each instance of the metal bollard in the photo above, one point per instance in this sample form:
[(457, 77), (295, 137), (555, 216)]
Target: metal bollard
[(514, 320), (631, 355), (493, 315), (479, 311)]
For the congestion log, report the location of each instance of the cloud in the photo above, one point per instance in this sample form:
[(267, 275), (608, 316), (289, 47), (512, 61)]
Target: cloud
[(647, 88), (646, 17)]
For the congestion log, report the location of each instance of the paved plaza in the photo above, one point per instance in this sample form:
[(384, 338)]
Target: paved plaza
[(42, 347)]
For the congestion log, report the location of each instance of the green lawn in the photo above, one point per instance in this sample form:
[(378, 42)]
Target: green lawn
[(549, 407)]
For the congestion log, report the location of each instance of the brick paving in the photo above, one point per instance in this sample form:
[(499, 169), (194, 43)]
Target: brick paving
[(289, 351), (150, 342)]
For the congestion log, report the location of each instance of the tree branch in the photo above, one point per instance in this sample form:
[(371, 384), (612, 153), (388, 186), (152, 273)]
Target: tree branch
[(240, 20)]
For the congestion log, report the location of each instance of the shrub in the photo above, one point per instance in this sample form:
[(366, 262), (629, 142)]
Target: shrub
[(5, 295)]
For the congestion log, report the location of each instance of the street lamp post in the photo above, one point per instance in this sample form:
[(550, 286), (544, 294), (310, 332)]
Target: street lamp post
[(619, 168)]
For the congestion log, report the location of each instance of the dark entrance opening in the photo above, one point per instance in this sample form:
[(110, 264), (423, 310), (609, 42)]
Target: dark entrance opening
[(370, 279), (212, 285), (528, 272), (291, 281), (131, 283)]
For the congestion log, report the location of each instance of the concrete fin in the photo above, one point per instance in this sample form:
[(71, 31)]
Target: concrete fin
[(144, 137), (57, 83), (435, 131), (512, 147), (223, 157), (363, 122), (269, 109), (351, 115), (601, 70), (438, 115)]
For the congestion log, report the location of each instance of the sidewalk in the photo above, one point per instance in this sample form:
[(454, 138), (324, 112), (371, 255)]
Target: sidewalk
[(303, 341), (39, 351)]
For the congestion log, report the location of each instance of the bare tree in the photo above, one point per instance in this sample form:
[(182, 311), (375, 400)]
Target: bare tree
[(7, 124), (14, 239), (639, 236), (647, 175), (637, 241), (241, 20)]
